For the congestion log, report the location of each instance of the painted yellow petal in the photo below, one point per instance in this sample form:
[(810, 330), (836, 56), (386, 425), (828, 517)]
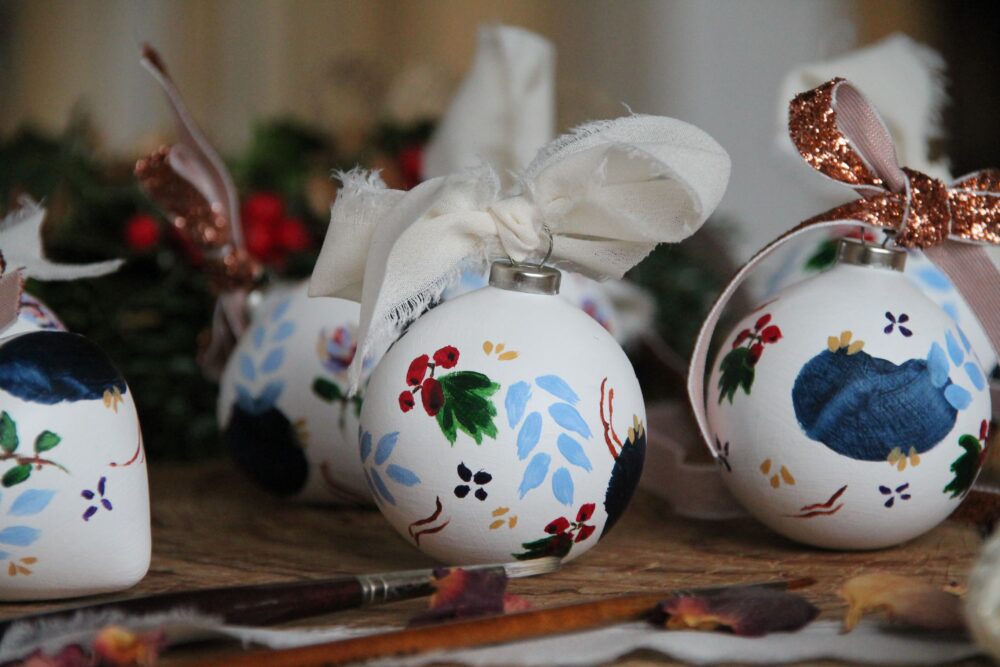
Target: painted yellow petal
[(765, 467), (833, 343), (512, 522), (787, 476), (845, 338), (855, 347), (500, 511), (500, 347), (775, 482), (488, 347), (29, 560), (496, 524), (508, 355)]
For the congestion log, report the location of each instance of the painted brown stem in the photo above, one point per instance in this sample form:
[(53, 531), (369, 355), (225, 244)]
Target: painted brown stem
[(33, 460)]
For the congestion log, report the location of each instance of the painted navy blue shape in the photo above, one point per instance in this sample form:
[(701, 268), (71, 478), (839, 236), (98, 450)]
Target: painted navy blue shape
[(265, 445), (863, 407), (624, 478), (50, 367)]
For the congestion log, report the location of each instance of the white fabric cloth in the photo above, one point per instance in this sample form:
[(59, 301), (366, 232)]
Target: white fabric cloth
[(608, 193), (504, 110), (21, 245)]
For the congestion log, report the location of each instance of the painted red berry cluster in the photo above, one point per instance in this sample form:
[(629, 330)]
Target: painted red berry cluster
[(763, 334), (579, 530), (737, 367), (562, 535), (420, 378)]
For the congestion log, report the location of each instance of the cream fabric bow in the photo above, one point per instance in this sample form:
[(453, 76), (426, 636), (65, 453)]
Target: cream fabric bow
[(608, 193)]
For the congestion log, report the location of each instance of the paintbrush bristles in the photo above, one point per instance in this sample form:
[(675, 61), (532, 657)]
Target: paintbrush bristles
[(531, 568)]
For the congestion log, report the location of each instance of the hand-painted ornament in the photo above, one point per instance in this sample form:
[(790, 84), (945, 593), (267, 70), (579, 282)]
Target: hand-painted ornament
[(505, 424), (283, 407), (850, 411)]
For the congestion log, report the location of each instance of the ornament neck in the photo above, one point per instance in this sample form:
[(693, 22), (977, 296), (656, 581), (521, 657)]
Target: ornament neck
[(527, 278), (859, 253)]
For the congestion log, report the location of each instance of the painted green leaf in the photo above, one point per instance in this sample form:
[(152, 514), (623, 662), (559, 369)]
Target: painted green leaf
[(46, 440), (965, 466), (16, 475), (8, 433), (735, 373), (326, 390), (553, 545), (824, 257), (468, 406)]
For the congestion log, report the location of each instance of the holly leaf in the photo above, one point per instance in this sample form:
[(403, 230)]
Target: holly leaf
[(468, 406), (326, 390), (8, 433), (824, 257), (965, 466), (16, 475), (45, 441)]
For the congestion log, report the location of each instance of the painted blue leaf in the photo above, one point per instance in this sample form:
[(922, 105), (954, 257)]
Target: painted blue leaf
[(529, 434), (573, 452), (272, 391), (935, 278), (258, 336), (273, 360), (383, 450), (517, 398), (954, 351), (366, 445), (31, 502), (280, 310), (246, 367), (558, 387), (402, 475), (965, 339), (382, 489), (567, 417), (562, 486), (975, 375), (950, 309), (937, 364), (535, 473), (245, 399), (284, 330), (19, 536), (958, 397)]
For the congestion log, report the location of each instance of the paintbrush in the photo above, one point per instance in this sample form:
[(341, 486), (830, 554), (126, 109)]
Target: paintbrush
[(266, 604), (480, 631)]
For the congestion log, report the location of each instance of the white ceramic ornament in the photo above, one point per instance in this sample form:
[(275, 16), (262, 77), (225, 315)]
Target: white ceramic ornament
[(74, 500), (283, 405), (34, 315), (503, 425), (849, 411)]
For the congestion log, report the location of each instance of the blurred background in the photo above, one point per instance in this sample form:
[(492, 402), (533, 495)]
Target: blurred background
[(290, 90)]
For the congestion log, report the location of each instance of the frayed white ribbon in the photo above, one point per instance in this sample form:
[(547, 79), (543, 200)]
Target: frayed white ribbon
[(608, 193)]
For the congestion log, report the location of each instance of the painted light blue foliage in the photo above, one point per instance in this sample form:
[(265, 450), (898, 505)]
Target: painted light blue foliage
[(265, 358), (518, 395), (562, 486), (954, 351), (280, 310), (273, 360), (383, 450), (527, 437), (283, 331), (934, 278), (965, 339), (950, 309), (959, 398), (573, 452), (535, 473), (258, 336), (558, 387), (402, 475), (31, 502), (975, 375), (366, 445), (247, 369), (380, 487), (270, 394), (19, 536), (937, 364), (567, 416), (262, 403)]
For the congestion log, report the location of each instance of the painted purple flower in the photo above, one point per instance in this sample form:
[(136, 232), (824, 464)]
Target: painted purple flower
[(337, 349), (892, 494), (897, 322), (97, 498)]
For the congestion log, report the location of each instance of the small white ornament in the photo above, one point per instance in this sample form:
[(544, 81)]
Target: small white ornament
[(849, 411), (503, 425), (74, 498), (283, 406), (34, 315)]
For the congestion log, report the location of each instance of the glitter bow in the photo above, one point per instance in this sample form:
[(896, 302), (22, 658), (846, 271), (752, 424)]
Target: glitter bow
[(841, 135), (190, 182)]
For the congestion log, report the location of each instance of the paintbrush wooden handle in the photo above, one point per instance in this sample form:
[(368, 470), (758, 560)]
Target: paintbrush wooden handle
[(462, 634)]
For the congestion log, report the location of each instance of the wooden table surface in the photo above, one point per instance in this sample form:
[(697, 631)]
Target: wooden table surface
[(211, 528)]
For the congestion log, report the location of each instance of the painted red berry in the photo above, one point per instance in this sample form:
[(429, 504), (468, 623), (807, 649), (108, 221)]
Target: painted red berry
[(446, 357), (771, 334), (740, 337), (585, 513), (417, 370), (762, 322), (984, 430), (142, 232), (557, 527), (585, 532), (406, 401), (755, 351), (432, 396)]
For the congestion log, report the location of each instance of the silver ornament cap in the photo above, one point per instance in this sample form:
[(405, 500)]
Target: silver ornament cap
[(859, 253), (527, 278)]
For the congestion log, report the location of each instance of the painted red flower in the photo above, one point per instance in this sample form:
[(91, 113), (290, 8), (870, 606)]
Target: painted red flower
[(585, 532), (771, 334), (406, 401), (446, 357), (740, 337), (585, 513), (557, 527), (432, 396), (762, 322), (417, 370), (754, 356)]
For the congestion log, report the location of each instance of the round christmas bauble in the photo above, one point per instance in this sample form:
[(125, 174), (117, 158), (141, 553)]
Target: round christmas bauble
[(74, 498), (283, 405), (849, 411), (505, 424)]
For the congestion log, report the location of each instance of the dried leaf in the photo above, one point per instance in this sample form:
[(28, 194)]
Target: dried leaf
[(746, 611), (466, 594), (904, 600)]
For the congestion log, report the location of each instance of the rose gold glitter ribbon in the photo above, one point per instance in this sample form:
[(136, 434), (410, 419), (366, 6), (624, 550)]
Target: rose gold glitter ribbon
[(841, 135), (190, 182)]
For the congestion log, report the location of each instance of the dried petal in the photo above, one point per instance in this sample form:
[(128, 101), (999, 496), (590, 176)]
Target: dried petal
[(903, 599), (464, 594), (115, 645), (747, 611)]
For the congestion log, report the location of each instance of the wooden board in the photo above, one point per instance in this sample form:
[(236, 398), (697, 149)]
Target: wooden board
[(211, 528)]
